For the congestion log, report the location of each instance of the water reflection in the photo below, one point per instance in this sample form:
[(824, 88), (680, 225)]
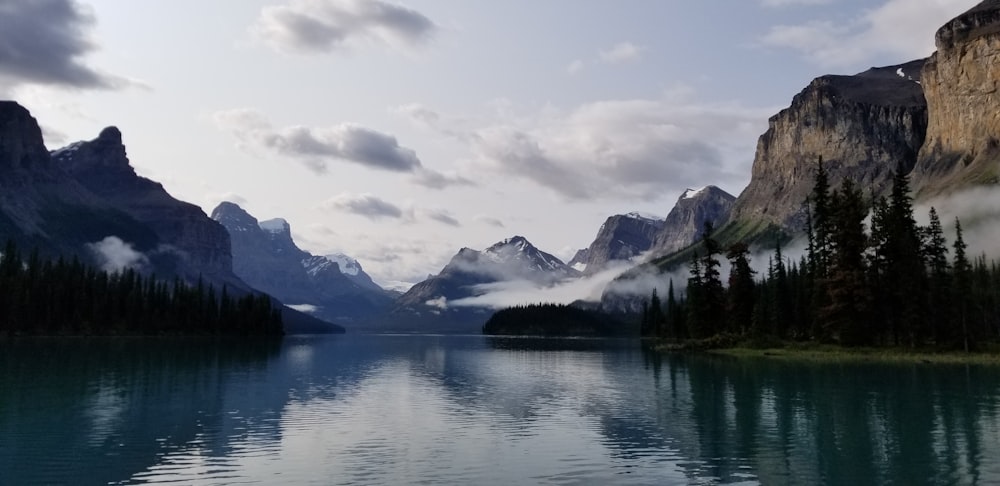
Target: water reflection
[(830, 423), (461, 410)]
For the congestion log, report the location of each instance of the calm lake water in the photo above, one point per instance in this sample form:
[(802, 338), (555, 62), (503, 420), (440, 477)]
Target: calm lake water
[(477, 410)]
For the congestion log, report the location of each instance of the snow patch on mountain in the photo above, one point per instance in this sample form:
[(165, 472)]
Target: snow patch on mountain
[(348, 265), (692, 193), (276, 225), (644, 216)]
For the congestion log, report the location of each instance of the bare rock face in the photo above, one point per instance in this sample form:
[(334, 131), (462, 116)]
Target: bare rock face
[(621, 238), (961, 82), (199, 246), (21, 144), (861, 125), (686, 221), (267, 258)]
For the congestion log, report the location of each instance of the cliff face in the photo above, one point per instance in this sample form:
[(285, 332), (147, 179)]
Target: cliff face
[(686, 221), (961, 83), (21, 144), (861, 125), (267, 258), (621, 237), (198, 246)]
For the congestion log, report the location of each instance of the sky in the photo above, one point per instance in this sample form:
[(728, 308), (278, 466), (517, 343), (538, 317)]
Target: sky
[(399, 132)]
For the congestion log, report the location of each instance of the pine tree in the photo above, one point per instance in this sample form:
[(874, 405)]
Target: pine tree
[(935, 251), (904, 265), (741, 293), (846, 316), (674, 328), (962, 287), (712, 300), (695, 295)]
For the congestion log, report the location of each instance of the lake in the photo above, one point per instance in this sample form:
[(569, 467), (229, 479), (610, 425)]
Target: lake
[(369, 409)]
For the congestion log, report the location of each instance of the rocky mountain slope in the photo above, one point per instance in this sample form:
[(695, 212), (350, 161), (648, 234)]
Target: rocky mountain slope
[(266, 257), (620, 238), (938, 118), (85, 200), (686, 221), (861, 126), (430, 302), (960, 82)]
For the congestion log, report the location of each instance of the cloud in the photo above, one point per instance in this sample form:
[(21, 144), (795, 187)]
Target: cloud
[(515, 291), (576, 66), (979, 211), (45, 42), (441, 216), (376, 209), (316, 147), (900, 29), (325, 26), (348, 142), (432, 179), (366, 205), (621, 52), (115, 255), (306, 308), (488, 220), (636, 149), (214, 199)]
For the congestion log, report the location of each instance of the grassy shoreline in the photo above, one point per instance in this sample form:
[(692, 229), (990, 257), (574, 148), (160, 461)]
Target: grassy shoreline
[(828, 353)]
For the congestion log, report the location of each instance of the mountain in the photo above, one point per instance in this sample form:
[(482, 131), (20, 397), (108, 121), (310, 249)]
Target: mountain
[(960, 82), (686, 221), (429, 304), (266, 257), (579, 260), (200, 245), (621, 238), (86, 201), (862, 126)]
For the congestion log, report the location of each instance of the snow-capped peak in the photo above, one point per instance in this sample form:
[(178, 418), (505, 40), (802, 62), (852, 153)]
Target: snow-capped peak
[(646, 216), (692, 193), (276, 225), (348, 265)]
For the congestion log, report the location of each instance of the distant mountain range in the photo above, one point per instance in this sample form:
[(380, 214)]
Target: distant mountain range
[(437, 301), (85, 200), (936, 118), (266, 257), (625, 237)]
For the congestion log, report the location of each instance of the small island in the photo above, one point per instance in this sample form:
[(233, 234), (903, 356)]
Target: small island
[(555, 320)]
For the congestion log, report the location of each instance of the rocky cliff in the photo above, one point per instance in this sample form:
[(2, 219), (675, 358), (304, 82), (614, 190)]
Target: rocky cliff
[(621, 238), (266, 257), (194, 245), (862, 126), (64, 202), (961, 81), (686, 221)]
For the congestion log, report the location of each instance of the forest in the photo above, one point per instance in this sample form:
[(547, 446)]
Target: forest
[(553, 320), (880, 282), (45, 297)]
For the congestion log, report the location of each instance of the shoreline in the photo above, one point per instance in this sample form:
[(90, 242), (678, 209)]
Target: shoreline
[(835, 354)]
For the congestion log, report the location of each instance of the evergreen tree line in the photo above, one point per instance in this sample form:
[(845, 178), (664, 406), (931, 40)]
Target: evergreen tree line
[(552, 320), (44, 297), (895, 284)]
